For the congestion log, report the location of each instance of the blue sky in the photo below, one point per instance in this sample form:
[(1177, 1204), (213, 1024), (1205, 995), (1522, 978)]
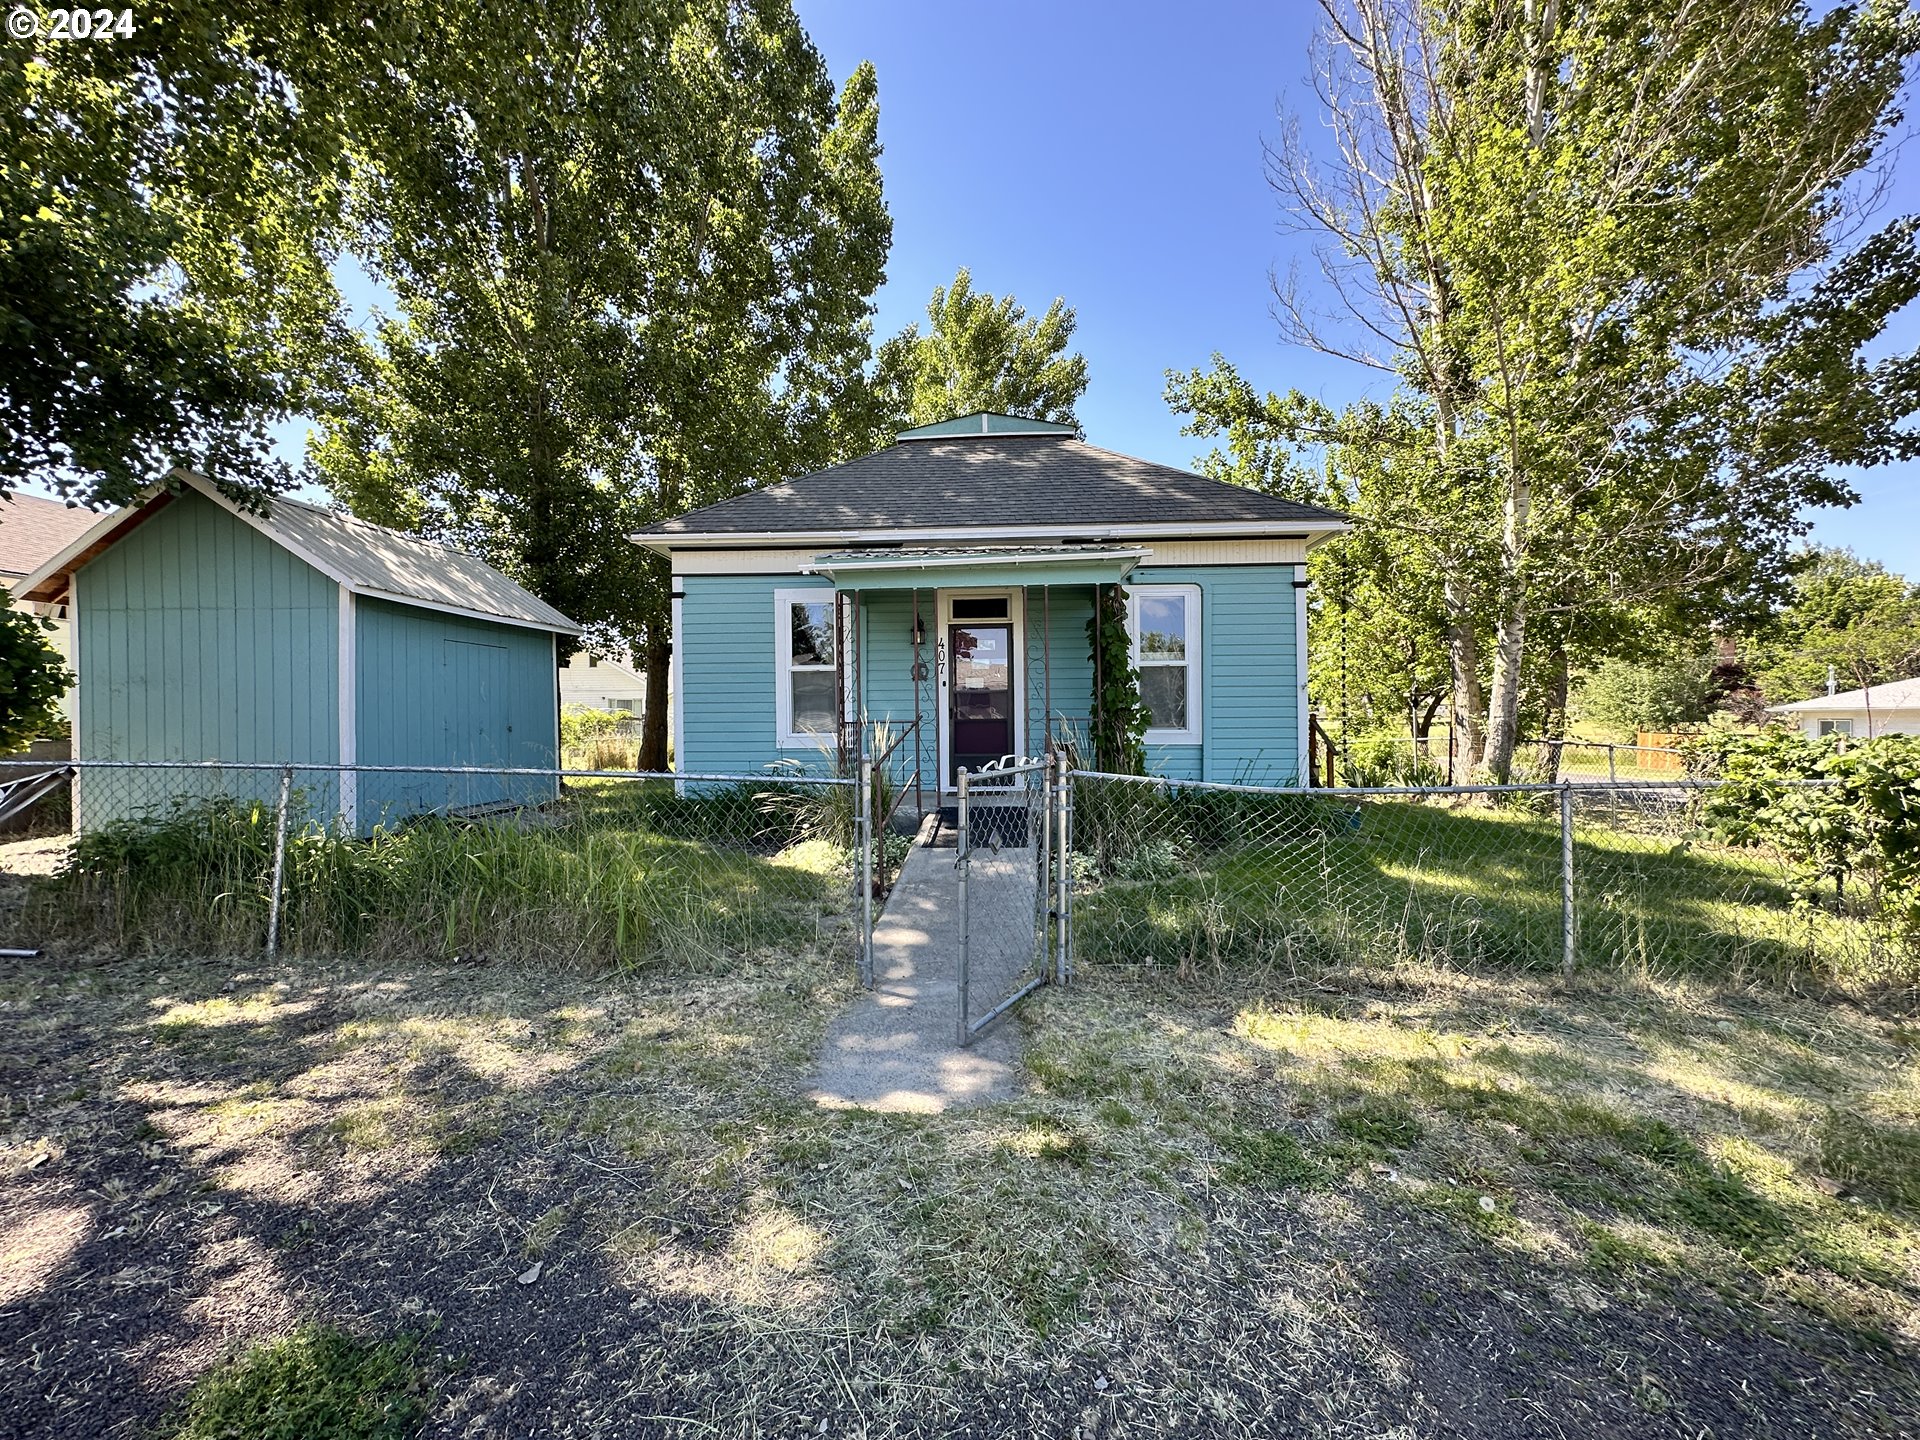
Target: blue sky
[(1111, 154)]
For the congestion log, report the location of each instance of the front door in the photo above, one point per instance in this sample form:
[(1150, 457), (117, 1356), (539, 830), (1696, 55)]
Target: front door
[(980, 714)]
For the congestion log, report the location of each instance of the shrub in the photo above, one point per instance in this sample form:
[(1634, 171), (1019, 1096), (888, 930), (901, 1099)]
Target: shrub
[(1388, 759), (1839, 813), (590, 737)]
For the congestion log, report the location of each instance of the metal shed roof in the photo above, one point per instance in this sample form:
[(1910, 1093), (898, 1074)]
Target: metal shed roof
[(368, 559)]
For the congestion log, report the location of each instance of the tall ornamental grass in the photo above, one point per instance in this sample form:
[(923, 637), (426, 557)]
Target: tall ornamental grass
[(614, 874)]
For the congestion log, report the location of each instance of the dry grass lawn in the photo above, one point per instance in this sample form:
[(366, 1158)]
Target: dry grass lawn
[(1385, 1203)]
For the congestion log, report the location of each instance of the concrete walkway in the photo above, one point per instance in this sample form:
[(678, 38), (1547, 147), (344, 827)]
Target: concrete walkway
[(893, 1048)]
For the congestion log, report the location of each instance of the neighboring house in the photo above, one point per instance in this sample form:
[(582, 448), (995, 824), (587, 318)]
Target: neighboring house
[(600, 683), (202, 631), (32, 531), (1890, 709), (948, 580)]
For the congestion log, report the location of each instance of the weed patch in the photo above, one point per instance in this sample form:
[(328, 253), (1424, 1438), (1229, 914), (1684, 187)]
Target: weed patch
[(611, 874), (319, 1383)]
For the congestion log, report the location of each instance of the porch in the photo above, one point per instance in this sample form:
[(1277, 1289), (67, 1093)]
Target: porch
[(961, 658)]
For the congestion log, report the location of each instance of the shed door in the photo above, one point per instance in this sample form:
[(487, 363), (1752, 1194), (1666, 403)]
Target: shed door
[(474, 696)]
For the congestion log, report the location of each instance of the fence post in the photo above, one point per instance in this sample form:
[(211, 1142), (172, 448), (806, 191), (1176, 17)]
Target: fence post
[(961, 1034), (865, 802), (1064, 955), (1613, 775), (279, 861), (1566, 880)]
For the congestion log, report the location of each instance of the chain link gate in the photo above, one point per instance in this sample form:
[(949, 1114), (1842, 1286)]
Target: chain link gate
[(1008, 832)]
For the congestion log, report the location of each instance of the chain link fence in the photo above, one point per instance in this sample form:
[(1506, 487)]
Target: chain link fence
[(590, 867), (1198, 877), (1004, 823)]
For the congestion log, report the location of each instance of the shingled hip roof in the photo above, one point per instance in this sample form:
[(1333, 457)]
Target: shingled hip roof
[(987, 482)]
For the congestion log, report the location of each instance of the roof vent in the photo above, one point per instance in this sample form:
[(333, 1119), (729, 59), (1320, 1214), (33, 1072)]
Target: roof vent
[(985, 422)]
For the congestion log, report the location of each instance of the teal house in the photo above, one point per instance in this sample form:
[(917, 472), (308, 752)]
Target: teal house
[(202, 631), (935, 596)]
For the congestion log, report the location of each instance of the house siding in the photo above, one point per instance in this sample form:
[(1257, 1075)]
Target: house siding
[(727, 674), (441, 690), (1865, 726), (201, 639), (1249, 719)]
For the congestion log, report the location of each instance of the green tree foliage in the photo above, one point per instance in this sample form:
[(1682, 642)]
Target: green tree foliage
[(1377, 622), (1847, 614), (1119, 715), (33, 678), (978, 352), (1604, 252), (1666, 693), (634, 246), (166, 203), (1857, 831)]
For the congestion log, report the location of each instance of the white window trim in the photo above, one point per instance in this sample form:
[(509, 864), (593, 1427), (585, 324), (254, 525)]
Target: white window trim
[(784, 735), (1196, 644)]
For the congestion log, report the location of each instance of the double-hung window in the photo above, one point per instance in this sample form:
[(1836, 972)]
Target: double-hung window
[(1164, 623), (805, 647), (1836, 727)]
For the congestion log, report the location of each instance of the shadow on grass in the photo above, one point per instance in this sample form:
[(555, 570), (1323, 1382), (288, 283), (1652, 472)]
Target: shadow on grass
[(233, 1163), (390, 1153)]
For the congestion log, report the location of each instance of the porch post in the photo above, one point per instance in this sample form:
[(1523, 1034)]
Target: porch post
[(842, 637), (919, 766), (1026, 681), (1046, 662)]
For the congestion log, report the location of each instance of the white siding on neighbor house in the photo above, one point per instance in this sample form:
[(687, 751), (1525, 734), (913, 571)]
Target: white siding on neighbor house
[(1865, 726), (602, 684)]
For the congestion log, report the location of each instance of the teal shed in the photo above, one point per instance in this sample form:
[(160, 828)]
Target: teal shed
[(203, 631), (929, 603)]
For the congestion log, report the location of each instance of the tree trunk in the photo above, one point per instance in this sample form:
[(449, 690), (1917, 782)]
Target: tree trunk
[(1503, 707), (1463, 650), (1557, 710), (657, 656), (1510, 633)]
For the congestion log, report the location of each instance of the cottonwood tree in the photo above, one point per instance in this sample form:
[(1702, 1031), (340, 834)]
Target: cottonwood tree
[(1377, 623), (978, 352), (633, 247), (1612, 255), (168, 199)]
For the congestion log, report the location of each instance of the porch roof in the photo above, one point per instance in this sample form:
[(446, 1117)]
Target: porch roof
[(904, 568)]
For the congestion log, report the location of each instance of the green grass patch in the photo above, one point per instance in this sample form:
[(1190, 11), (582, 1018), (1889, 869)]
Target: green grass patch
[(1881, 1162), (319, 1383), (1269, 1159), (1379, 1122), (1198, 880)]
